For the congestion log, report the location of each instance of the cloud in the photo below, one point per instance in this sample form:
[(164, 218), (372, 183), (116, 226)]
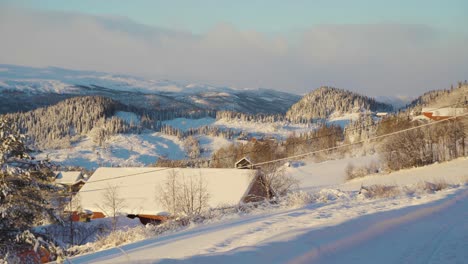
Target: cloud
[(381, 59)]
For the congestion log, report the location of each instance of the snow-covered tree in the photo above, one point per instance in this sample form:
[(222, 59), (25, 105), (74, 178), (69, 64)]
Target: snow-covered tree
[(26, 193), (112, 204), (325, 101), (192, 147)]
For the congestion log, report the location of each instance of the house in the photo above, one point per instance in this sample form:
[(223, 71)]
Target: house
[(244, 163), (140, 187), (73, 180), (442, 113)]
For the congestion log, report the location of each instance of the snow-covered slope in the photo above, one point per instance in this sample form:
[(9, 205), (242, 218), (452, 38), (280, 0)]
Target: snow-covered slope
[(28, 83), (120, 150), (340, 227), (147, 147), (326, 102), (455, 97)]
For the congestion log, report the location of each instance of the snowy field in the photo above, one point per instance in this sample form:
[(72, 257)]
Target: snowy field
[(338, 226), (121, 150), (277, 129), (129, 150), (146, 148)]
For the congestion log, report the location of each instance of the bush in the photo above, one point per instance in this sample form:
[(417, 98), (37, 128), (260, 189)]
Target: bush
[(353, 172), (434, 187), (379, 191), (297, 199), (275, 182)]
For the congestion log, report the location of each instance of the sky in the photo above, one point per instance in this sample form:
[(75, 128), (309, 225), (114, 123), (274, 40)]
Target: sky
[(380, 48)]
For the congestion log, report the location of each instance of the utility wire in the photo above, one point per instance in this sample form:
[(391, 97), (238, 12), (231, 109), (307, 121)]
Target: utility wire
[(303, 154)]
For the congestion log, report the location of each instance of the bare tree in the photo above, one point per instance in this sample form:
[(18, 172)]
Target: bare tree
[(112, 204), (442, 142), (168, 193), (184, 195), (194, 198), (274, 181)]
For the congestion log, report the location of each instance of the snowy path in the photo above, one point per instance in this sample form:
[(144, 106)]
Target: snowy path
[(428, 229)]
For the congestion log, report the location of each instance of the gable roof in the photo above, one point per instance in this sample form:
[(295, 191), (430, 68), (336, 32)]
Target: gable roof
[(243, 159), (68, 177), (139, 186)]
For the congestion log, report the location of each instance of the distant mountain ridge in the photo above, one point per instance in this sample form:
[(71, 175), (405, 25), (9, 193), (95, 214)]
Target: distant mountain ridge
[(327, 101), (27, 88)]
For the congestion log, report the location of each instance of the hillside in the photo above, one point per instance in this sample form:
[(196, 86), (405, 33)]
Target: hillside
[(324, 102), (57, 126), (457, 96)]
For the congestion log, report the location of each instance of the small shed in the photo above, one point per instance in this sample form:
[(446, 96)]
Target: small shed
[(244, 163), (73, 180)]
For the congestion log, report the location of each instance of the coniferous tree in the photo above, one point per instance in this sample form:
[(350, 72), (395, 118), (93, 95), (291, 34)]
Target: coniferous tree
[(26, 193)]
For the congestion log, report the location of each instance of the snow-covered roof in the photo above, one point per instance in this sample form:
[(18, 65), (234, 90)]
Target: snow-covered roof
[(447, 111), (68, 177), (139, 186), (244, 158)]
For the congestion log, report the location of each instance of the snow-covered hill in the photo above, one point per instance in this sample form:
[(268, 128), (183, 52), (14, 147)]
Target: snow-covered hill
[(27, 84), (326, 102)]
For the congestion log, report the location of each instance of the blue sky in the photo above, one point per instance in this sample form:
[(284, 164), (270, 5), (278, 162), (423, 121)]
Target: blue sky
[(268, 15), (388, 48)]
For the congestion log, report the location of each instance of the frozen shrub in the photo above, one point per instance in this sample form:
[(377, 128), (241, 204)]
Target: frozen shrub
[(297, 199), (379, 191), (274, 181), (433, 187), (327, 195), (353, 172)]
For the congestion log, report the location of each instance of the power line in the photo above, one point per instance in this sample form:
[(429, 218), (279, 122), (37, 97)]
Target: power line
[(357, 143), (326, 135), (303, 154)]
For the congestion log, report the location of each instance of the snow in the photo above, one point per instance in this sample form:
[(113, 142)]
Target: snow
[(139, 186), (343, 119), (38, 86), (210, 144), (122, 150), (453, 172), (328, 174), (185, 124), (447, 111), (340, 227), (276, 129), (146, 148), (68, 177), (129, 117), (52, 79)]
